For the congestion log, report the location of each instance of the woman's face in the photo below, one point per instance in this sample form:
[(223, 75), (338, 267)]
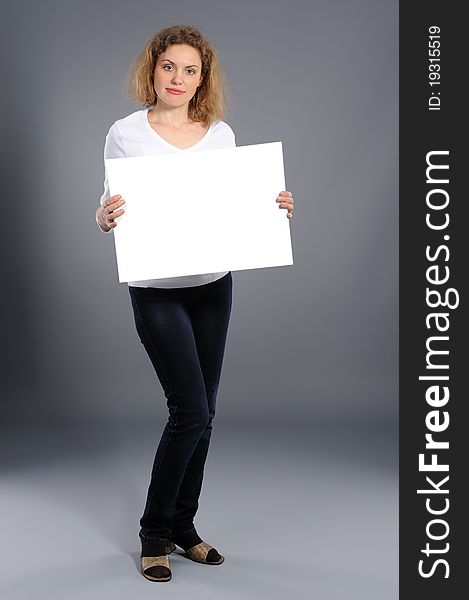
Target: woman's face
[(178, 68)]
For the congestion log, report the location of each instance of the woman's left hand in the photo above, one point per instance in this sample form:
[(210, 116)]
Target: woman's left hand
[(286, 201)]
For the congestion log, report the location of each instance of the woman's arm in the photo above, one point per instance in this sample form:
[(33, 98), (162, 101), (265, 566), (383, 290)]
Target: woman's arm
[(105, 215)]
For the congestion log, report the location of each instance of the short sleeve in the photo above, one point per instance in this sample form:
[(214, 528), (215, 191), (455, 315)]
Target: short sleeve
[(113, 148)]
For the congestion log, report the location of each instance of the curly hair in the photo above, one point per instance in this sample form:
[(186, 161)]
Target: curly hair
[(210, 99)]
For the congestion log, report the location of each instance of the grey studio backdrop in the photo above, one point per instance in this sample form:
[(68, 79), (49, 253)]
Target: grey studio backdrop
[(311, 347)]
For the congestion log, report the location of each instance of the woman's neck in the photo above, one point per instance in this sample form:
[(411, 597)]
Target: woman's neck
[(171, 117)]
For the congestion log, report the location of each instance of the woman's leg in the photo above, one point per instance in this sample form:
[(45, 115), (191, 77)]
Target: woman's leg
[(165, 329), (210, 314)]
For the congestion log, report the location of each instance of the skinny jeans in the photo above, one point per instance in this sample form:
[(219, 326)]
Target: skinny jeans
[(183, 331)]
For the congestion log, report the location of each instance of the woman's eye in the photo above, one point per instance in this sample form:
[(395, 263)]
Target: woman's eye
[(192, 72)]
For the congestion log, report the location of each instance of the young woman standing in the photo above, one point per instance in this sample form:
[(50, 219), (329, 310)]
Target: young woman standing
[(182, 322)]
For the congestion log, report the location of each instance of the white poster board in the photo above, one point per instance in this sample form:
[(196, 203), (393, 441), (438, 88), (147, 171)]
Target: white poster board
[(200, 212)]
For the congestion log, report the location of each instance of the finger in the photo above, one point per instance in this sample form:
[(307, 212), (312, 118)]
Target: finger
[(111, 207), (117, 213), (112, 200)]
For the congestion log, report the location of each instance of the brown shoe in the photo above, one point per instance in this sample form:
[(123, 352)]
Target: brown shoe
[(156, 568), (204, 553)]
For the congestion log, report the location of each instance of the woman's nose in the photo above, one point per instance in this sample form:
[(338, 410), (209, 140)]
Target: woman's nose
[(176, 78)]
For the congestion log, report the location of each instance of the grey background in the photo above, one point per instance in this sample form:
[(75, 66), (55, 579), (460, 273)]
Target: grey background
[(311, 363)]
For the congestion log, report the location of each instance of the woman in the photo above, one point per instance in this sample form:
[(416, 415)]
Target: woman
[(182, 322)]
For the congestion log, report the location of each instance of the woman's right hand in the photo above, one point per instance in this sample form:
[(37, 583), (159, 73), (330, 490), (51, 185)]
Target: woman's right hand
[(107, 213)]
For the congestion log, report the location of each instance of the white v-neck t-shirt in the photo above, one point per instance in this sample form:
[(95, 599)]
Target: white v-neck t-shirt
[(134, 136)]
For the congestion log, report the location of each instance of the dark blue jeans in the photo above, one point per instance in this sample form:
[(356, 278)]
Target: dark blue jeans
[(184, 332)]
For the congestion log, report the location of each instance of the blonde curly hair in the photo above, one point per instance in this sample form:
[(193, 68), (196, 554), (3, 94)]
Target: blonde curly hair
[(210, 99)]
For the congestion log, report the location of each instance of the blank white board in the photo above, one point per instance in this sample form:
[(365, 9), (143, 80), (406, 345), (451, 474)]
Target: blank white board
[(200, 212)]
